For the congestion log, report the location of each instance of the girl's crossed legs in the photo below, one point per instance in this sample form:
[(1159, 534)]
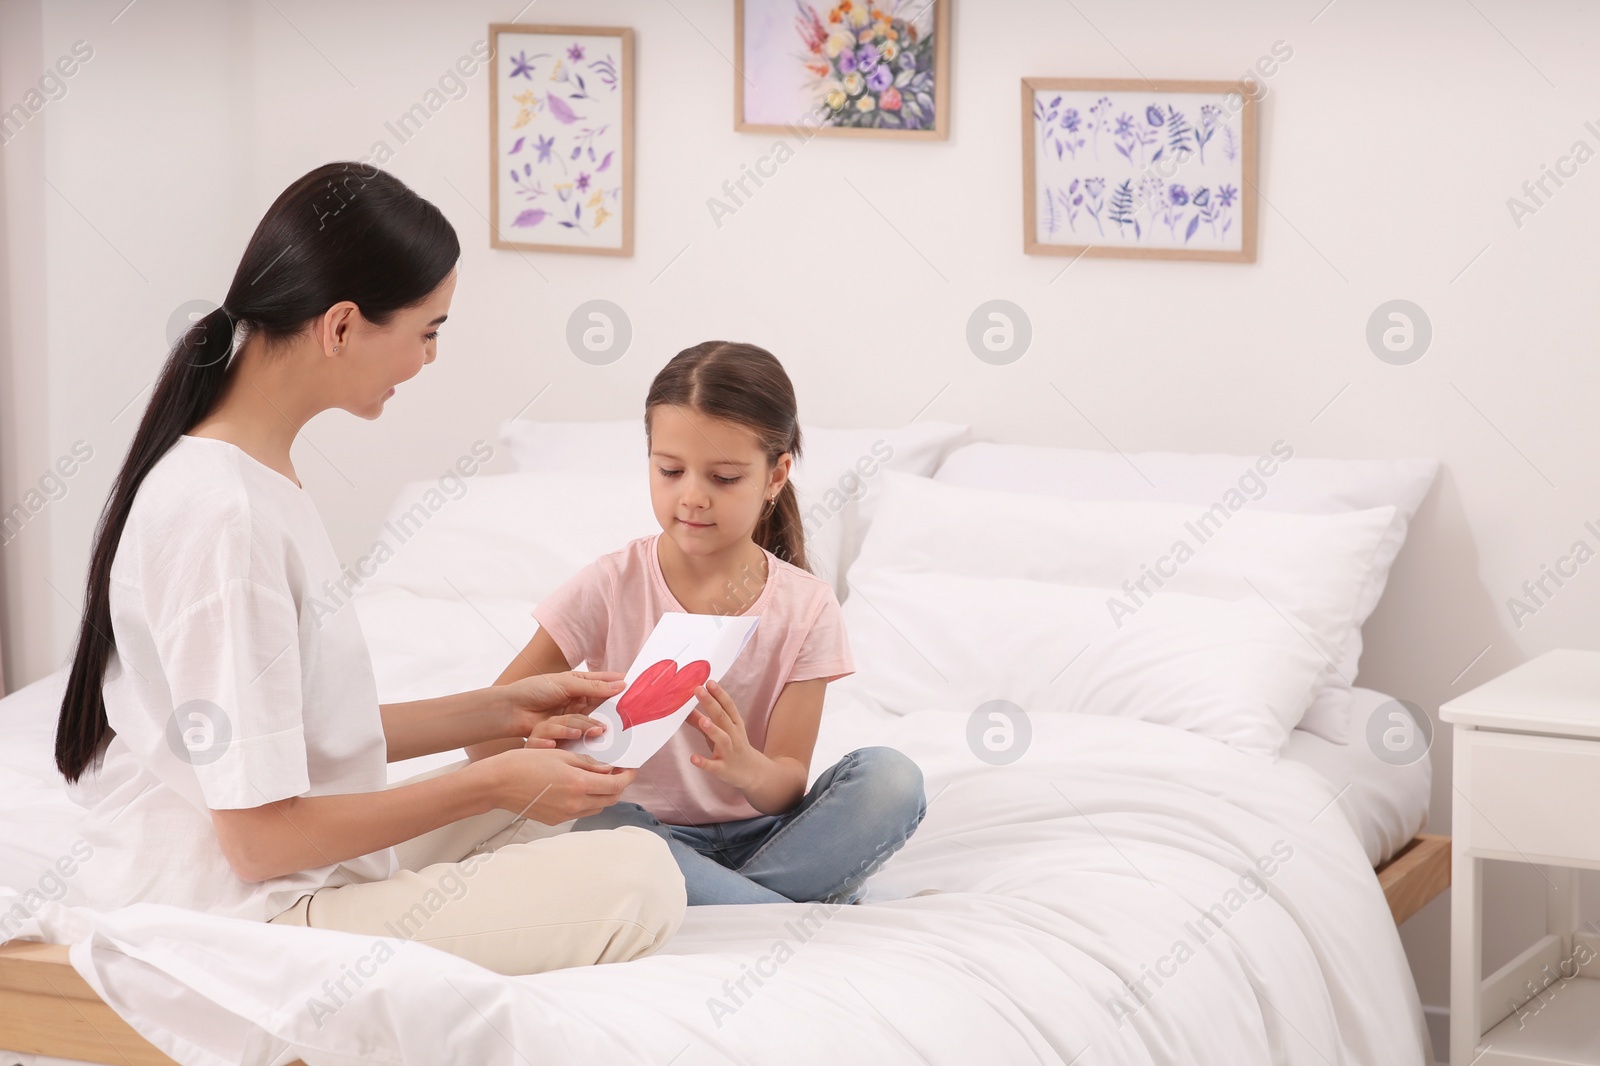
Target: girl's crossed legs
[(859, 812)]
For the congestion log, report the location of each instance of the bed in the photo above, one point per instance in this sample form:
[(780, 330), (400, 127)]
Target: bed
[(1125, 890)]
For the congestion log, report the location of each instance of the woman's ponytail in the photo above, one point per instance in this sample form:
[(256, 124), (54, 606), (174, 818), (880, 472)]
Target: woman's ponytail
[(186, 389), (342, 232)]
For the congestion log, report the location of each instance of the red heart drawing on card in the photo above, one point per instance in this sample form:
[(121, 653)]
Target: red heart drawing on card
[(660, 690)]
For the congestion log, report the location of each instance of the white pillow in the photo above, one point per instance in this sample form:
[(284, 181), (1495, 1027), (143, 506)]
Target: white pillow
[(834, 480), (575, 447), (1235, 671), (427, 646), (838, 481), (1275, 481), (1311, 568), (506, 536)]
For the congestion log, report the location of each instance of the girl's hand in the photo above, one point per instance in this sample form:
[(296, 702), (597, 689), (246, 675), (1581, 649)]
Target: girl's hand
[(569, 695), (733, 760), (564, 727)]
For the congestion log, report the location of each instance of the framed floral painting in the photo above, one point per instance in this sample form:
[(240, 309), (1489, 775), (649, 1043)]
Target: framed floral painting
[(561, 139), (1135, 168), (847, 68)]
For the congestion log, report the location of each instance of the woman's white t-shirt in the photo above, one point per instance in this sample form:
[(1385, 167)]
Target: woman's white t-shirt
[(234, 684)]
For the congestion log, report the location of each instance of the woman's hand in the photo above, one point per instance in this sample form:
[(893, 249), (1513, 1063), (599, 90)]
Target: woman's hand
[(553, 786), (562, 698), (733, 760)]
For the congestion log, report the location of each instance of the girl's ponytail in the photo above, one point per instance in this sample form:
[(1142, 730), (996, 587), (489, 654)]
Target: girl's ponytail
[(342, 232), (780, 530)]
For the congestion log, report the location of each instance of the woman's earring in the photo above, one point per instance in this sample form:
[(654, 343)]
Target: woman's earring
[(335, 347)]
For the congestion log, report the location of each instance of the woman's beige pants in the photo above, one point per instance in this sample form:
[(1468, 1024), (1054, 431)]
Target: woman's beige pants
[(515, 905)]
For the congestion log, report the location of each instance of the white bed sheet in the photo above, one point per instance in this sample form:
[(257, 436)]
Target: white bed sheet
[(1386, 804), (1004, 931)]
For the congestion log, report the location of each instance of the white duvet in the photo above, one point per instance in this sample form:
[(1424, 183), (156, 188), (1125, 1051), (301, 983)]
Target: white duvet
[(1046, 911)]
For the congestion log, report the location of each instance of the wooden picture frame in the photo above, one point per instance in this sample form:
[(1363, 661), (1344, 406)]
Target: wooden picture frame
[(556, 179), (783, 69), (1143, 149)]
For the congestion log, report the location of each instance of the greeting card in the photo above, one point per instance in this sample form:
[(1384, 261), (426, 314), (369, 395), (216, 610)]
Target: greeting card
[(681, 653)]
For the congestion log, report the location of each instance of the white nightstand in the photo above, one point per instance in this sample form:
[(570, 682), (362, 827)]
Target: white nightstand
[(1527, 789)]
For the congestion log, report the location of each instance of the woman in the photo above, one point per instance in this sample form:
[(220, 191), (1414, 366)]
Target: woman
[(226, 737)]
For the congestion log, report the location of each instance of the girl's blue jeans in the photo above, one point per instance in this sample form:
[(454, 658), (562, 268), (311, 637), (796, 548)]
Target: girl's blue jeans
[(856, 815)]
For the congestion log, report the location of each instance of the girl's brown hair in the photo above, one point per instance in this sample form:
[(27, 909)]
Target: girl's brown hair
[(747, 386)]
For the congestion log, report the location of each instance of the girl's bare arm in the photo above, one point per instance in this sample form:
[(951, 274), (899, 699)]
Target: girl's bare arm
[(791, 737)]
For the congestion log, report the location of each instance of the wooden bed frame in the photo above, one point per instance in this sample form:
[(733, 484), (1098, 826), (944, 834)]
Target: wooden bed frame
[(1411, 878), (46, 1008)]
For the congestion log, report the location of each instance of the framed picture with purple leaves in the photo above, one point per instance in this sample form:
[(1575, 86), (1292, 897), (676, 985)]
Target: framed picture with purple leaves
[(1136, 168), (862, 68), (561, 139)]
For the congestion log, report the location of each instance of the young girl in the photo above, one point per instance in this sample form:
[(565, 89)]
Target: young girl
[(728, 791)]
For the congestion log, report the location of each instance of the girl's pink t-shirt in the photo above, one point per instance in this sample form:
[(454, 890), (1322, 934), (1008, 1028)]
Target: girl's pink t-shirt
[(603, 615)]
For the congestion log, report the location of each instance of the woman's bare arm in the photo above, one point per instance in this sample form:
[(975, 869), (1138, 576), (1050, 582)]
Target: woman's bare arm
[(304, 832), (423, 727)]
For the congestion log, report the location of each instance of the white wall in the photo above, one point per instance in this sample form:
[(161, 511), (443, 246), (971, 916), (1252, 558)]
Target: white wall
[(1390, 141)]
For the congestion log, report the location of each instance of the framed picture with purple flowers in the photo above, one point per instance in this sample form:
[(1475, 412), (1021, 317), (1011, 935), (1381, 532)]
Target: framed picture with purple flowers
[(561, 139), (862, 68), (1141, 169)]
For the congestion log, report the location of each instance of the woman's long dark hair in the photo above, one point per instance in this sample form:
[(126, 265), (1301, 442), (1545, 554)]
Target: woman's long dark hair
[(345, 231), (747, 386)]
